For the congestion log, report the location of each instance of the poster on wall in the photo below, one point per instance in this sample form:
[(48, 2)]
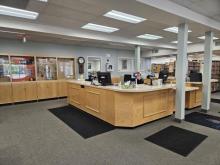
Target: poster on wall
[(109, 67)]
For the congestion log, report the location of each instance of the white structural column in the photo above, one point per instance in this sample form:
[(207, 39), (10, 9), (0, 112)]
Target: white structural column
[(207, 72), (137, 58), (181, 64)]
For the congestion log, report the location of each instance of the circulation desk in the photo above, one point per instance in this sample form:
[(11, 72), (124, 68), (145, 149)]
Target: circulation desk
[(123, 107)]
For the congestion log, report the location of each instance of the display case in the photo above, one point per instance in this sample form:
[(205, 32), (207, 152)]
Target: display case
[(66, 68), (22, 68), (4, 69), (46, 68)]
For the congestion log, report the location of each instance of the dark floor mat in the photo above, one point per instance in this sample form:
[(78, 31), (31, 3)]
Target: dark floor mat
[(215, 100), (176, 139), (83, 123), (204, 120)]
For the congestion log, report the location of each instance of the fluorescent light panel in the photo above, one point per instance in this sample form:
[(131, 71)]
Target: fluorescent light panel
[(43, 0), (101, 28), (124, 17), (174, 29), (203, 38), (175, 42), (14, 12), (149, 37), (12, 32)]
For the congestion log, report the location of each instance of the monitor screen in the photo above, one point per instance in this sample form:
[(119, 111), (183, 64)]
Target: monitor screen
[(104, 78), (127, 77), (195, 77), (163, 75)]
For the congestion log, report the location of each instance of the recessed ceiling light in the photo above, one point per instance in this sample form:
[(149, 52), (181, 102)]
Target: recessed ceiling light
[(124, 17), (14, 12), (203, 38), (101, 28), (149, 37), (175, 42), (43, 0), (174, 29)]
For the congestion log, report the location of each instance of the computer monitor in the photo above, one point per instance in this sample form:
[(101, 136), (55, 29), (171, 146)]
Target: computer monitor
[(163, 75), (104, 78), (127, 77), (195, 77)]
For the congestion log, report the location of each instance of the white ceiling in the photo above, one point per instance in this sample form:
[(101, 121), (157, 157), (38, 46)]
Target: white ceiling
[(209, 8), (72, 14)]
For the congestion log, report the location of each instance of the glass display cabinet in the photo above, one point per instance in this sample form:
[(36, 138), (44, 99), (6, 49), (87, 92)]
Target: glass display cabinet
[(66, 68), (22, 68), (4, 69), (46, 68)]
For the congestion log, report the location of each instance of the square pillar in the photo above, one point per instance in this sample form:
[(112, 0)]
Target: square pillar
[(207, 72), (137, 58), (181, 69)]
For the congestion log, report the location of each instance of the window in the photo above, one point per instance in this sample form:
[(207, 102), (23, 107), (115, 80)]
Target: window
[(4, 69), (66, 68), (46, 68), (22, 68), (125, 64)]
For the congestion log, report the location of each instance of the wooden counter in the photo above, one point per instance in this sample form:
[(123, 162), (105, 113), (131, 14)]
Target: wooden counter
[(13, 92), (123, 107)]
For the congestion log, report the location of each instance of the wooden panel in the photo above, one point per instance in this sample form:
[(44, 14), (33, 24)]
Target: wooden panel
[(31, 91), (74, 95), (171, 100), (93, 101), (155, 103), (18, 91), (46, 89), (115, 80), (42, 90), (52, 89), (5, 93), (199, 97), (62, 88)]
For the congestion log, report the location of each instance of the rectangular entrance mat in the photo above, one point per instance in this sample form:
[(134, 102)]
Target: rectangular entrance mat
[(178, 140), (81, 122)]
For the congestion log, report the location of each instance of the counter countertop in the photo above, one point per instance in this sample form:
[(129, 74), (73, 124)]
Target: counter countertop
[(212, 81), (140, 87)]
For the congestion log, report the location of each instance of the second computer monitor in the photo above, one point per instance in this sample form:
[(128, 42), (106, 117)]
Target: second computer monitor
[(104, 78)]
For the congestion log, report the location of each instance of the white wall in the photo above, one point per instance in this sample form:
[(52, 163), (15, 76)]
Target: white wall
[(15, 47)]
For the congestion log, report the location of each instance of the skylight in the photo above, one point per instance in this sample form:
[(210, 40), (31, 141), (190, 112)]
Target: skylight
[(14, 12), (149, 37), (124, 17), (203, 38), (174, 29), (101, 28), (175, 42)]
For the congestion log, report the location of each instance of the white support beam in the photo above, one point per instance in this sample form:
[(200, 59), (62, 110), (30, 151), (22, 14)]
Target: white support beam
[(137, 58), (181, 72), (181, 11), (207, 72)]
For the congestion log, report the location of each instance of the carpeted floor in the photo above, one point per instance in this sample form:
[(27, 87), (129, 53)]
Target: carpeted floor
[(31, 135)]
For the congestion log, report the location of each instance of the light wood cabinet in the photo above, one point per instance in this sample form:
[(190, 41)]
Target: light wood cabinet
[(24, 91), (18, 92), (62, 88), (31, 91), (47, 89), (5, 93)]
